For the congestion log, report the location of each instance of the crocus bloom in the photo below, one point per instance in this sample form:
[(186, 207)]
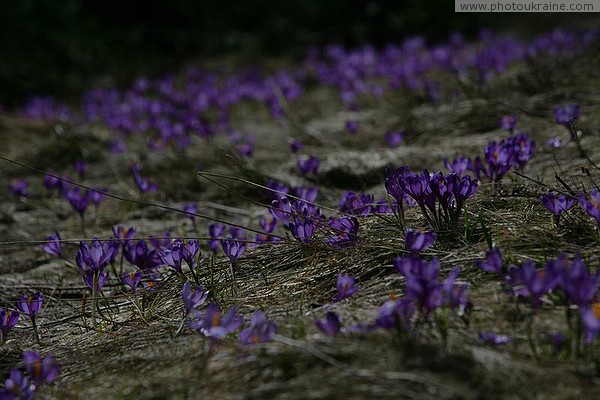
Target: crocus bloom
[(508, 122), (345, 286), (190, 209), (142, 183), (458, 166), (296, 146), (306, 193), (18, 187), (17, 387), (40, 370), (352, 126), (277, 189), (173, 257), (302, 229), (590, 316), (416, 241), (189, 252), (261, 330), (394, 139), (233, 248), (132, 279), (330, 325), (556, 205), (52, 245), (494, 338), (122, 234), (192, 299), (30, 304), (591, 205), (554, 143), (396, 314), (214, 324), (88, 279), (96, 255), (52, 182), (215, 231), (140, 255), (498, 157), (566, 115), (8, 320), (78, 199), (81, 167), (96, 197), (356, 203), (493, 261), (454, 293), (308, 165), (345, 229)]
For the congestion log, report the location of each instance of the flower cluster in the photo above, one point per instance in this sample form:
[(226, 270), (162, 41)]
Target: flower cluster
[(23, 383), (440, 197)]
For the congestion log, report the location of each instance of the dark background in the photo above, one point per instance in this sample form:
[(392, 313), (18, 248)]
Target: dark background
[(61, 47)]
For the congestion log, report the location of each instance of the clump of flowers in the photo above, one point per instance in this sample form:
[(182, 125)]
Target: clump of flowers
[(22, 384), (440, 197), (345, 229), (307, 165)]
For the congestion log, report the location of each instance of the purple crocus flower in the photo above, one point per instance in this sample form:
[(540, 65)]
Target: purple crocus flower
[(30, 304), (306, 193), (214, 324), (591, 204), (122, 234), (52, 245), (556, 205), (330, 325), (192, 299), (96, 197), (102, 278), (493, 261), (345, 286), (423, 287), (40, 370), (190, 209), (356, 204), (307, 165), (508, 122), (458, 166), (498, 158), (554, 143), (296, 146), (567, 115), (537, 282), (416, 241), (396, 314), (8, 320), (132, 279), (215, 231), (17, 387), (142, 183), (522, 149), (261, 330), (52, 182), (81, 167), (173, 257), (302, 228), (351, 126), (590, 316), (189, 252), (140, 255), (268, 223), (277, 189), (96, 255), (578, 284), (78, 199), (345, 229), (18, 187), (454, 293), (233, 248), (494, 339), (394, 139), (281, 209)]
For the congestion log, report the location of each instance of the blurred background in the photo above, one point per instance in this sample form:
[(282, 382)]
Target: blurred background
[(58, 48)]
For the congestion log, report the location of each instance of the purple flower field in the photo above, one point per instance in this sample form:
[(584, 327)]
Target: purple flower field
[(418, 220)]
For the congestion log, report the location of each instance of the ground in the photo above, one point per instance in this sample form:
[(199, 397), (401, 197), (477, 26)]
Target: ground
[(134, 354)]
